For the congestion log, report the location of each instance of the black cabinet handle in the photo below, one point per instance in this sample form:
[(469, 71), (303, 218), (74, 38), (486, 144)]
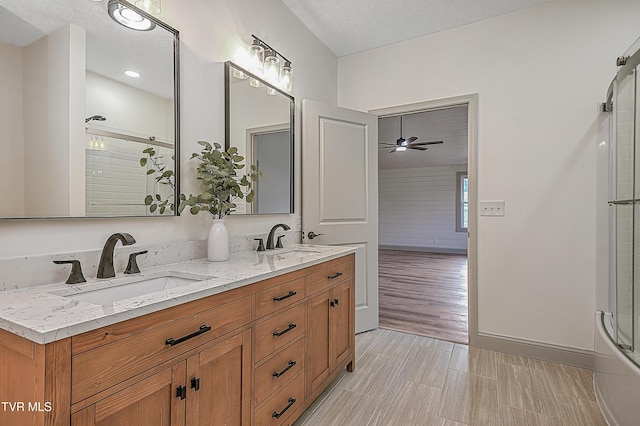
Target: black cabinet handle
[(280, 373), (336, 302), (286, 296), (195, 383), (336, 275), (286, 330), (172, 342), (181, 392), (278, 415)]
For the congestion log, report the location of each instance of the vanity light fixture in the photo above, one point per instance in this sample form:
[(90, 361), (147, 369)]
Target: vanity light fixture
[(131, 73), (126, 16), (152, 7), (269, 64)]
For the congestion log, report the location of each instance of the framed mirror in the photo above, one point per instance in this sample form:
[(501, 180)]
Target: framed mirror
[(83, 99), (259, 122)]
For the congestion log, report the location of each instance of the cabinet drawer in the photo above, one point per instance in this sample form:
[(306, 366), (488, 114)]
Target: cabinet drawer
[(280, 296), (276, 332), (100, 368), (277, 371), (333, 273), (283, 404)]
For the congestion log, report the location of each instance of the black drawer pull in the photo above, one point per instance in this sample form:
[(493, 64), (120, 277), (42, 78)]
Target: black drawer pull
[(181, 392), (289, 365), (286, 330), (172, 342), (195, 383), (278, 415), (336, 275), (286, 296)]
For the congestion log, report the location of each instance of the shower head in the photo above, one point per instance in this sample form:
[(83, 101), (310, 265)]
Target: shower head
[(95, 117)]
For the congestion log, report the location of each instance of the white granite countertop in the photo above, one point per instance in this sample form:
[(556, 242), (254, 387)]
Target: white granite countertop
[(49, 312)]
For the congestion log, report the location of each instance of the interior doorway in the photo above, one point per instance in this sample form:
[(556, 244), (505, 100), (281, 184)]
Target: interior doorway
[(426, 218)]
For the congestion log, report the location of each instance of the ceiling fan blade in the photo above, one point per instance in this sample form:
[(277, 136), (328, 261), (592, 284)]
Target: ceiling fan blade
[(412, 138), (427, 143), (419, 148), (392, 151)]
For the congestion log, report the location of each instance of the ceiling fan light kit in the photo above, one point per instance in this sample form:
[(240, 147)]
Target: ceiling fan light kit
[(403, 144)]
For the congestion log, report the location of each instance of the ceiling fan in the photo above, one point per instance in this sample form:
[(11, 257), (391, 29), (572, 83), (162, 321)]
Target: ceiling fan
[(403, 144)]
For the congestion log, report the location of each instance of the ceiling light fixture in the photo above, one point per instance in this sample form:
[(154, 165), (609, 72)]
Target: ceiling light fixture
[(133, 74), (269, 64), (127, 17)]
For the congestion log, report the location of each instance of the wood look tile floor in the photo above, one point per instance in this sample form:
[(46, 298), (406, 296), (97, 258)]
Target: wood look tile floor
[(404, 379), (424, 293)]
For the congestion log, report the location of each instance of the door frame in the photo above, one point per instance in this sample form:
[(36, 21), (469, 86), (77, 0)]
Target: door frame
[(471, 101)]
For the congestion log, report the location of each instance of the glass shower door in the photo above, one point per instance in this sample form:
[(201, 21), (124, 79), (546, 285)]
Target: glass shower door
[(627, 231)]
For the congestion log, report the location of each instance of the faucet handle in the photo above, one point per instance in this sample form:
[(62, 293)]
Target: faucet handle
[(279, 242), (260, 244), (132, 266), (76, 276)]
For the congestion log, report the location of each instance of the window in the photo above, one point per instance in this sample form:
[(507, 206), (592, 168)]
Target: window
[(462, 202)]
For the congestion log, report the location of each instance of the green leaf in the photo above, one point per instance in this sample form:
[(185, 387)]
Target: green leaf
[(158, 197), (148, 200), (148, 151), (153, 208), (143, 162), (151, 171), (217, 145), (195, 210), (205, 144), (162, 210)]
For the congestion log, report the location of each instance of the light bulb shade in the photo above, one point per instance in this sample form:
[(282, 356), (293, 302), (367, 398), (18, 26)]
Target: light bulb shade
[(271, 67), (256, 52), (152, 7), (401, 148), (286, 77), (128, 17), (239, 74)]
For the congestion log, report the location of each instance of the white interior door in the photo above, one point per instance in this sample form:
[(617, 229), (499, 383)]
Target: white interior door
[(340, 192)]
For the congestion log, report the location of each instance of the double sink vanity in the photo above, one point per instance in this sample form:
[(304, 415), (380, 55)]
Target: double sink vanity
[(252, 340)]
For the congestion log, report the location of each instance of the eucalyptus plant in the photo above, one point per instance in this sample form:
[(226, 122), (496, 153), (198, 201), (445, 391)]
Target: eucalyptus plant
[(218, 173), (163, 176)]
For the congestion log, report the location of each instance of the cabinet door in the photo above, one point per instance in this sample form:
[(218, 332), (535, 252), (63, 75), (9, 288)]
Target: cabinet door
[(152, 401), (218, 381), (318, 365), (342, 327)]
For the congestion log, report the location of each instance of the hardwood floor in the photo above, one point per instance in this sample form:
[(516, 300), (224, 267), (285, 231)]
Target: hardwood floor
[(424, 293), (405, 380)]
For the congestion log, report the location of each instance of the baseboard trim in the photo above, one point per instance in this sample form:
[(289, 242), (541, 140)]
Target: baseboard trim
[(425, 249), (538, 350)]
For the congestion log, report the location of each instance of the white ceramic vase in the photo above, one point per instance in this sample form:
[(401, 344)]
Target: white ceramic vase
[(218, 242)]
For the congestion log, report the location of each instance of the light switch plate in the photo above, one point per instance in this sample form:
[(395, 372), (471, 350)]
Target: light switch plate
[(492, 208)]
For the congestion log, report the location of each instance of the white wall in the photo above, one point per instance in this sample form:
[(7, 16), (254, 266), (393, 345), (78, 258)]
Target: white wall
[(127, 109), (210, 31), (540, 75), (417, 208), (11, 133)]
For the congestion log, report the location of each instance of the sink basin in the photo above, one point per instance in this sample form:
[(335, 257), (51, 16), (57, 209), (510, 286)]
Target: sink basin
[(130, 289), (288, 254)]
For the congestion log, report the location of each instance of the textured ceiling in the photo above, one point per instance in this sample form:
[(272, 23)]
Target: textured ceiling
[(448, 125), (351, 26)]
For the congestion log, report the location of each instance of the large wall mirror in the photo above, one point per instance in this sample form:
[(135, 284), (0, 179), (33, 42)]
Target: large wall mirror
[(259, 122), (81, 99)]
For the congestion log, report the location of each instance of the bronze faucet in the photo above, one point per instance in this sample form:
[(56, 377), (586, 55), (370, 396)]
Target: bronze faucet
[(272, 232), (105, 268)]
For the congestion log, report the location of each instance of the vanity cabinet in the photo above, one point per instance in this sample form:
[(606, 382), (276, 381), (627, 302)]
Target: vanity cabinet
[(258, 354), (331, 330)]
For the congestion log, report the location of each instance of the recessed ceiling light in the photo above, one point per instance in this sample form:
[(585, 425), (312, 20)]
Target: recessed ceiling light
[(133, 74), (128, 17)]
